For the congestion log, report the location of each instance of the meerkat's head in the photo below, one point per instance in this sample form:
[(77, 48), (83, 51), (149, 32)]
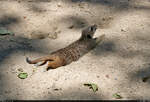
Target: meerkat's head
[(88, 32)]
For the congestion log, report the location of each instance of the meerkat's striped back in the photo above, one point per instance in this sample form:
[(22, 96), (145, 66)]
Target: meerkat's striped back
[(73, 51)]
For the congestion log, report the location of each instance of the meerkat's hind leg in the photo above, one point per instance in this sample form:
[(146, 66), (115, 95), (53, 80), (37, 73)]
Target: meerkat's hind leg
[(51, 65), (100, 39), (57, 62)]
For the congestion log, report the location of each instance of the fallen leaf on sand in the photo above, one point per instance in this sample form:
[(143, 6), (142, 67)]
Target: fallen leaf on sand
[(22, 75), (117, 96), (92, 86)]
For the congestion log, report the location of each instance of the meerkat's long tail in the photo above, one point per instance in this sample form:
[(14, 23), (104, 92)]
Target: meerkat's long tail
[(45, 59)]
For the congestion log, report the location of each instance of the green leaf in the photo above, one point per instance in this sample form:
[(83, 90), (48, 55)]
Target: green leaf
[(5, 32), (117, 96), (92, 86), (23, 75)]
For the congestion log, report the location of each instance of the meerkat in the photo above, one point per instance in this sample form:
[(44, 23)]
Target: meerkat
[(72, 52)]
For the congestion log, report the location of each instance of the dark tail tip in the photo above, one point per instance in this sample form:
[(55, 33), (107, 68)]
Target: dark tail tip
[(28, 61)]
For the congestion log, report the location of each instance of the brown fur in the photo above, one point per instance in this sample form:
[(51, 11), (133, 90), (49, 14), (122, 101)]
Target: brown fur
[(73, 51)]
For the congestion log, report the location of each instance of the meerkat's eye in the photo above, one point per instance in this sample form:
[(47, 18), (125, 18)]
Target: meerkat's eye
[(91, 29)]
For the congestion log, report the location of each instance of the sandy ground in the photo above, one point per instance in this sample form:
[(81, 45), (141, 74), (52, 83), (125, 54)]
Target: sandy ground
[(43, 26)]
